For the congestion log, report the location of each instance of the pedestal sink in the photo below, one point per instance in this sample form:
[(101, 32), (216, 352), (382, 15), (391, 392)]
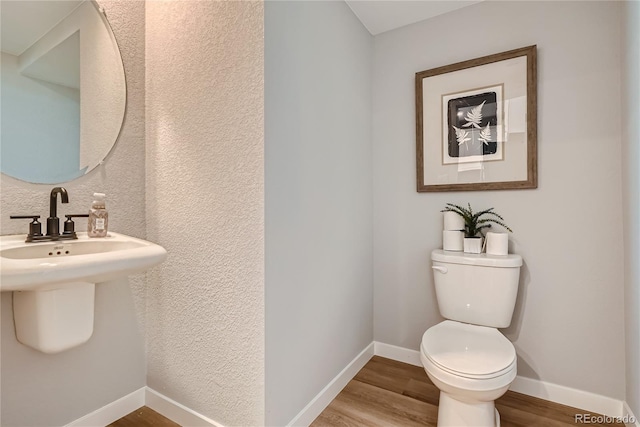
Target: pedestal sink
[(53, 283)]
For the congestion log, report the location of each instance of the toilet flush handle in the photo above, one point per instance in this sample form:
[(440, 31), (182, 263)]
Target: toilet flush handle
[(441, 269)]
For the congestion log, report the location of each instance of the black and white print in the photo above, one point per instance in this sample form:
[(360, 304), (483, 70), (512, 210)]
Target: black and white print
[(472, 126)]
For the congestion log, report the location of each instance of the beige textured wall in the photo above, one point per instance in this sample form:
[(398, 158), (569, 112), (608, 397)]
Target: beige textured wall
[(205, 191), (69, 385)]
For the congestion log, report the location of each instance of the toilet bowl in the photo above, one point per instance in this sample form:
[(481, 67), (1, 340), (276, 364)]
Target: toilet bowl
[(472, 366), (465, 356)]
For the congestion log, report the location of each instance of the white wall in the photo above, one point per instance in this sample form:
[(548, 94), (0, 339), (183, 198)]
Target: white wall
[(39, 389), (569, 318), (318, 199), (205, 198), (631, 197)]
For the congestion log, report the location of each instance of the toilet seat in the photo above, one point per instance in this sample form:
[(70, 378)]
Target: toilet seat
[(468, 351)]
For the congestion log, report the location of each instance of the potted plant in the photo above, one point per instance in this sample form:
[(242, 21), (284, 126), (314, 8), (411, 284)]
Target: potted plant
[(474, 223)]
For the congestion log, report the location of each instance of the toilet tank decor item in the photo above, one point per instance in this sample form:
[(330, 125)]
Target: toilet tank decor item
[(497, 243), (475, 223), (476, 125), (452, 232)]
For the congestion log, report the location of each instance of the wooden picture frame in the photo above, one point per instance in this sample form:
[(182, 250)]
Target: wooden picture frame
[(476, 124)]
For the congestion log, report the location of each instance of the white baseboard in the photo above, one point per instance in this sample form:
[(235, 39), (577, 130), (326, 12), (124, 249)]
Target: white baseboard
[(630, 419), (184, 416), (568, 396), (113, 411), (400, 354), (144, 396), (555, 393), (175, 411), (322, 400)]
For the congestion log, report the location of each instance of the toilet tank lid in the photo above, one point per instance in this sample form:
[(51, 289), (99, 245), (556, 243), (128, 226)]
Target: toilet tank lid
[(511, 260)]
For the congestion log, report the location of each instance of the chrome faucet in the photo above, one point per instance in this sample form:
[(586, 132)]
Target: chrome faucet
[(53, 222)]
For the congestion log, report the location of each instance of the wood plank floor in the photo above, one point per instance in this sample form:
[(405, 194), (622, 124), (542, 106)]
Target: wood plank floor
[(144, 417), (386, 393)]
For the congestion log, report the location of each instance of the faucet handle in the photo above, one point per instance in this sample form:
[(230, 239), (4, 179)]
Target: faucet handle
[(69, 225), (35, 227)]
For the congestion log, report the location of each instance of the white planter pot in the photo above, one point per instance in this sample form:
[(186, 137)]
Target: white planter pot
[(473, 245)]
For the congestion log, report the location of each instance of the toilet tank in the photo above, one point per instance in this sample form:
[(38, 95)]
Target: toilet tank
[(479, 289)]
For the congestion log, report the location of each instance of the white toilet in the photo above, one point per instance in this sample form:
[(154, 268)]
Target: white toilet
[(466, 356)]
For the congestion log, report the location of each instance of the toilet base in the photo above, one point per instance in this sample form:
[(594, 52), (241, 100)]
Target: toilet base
[(455, 413)]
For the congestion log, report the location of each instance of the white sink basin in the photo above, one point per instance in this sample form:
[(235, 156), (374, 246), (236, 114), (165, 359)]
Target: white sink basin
[(51, 265)]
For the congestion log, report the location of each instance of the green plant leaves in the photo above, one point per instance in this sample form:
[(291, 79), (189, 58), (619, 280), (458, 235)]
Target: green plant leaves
[(474, 223)]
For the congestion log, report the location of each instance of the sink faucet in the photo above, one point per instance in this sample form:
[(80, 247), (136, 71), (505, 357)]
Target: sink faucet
[(53, 223)]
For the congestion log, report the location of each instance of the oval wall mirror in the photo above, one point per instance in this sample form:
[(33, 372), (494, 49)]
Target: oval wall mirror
[(63, 89)]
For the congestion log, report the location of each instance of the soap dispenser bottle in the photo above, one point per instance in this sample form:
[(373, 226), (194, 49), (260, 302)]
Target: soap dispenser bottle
[(98, 217)]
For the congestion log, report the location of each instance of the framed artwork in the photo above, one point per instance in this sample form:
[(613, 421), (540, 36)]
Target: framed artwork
[(476, 124)]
